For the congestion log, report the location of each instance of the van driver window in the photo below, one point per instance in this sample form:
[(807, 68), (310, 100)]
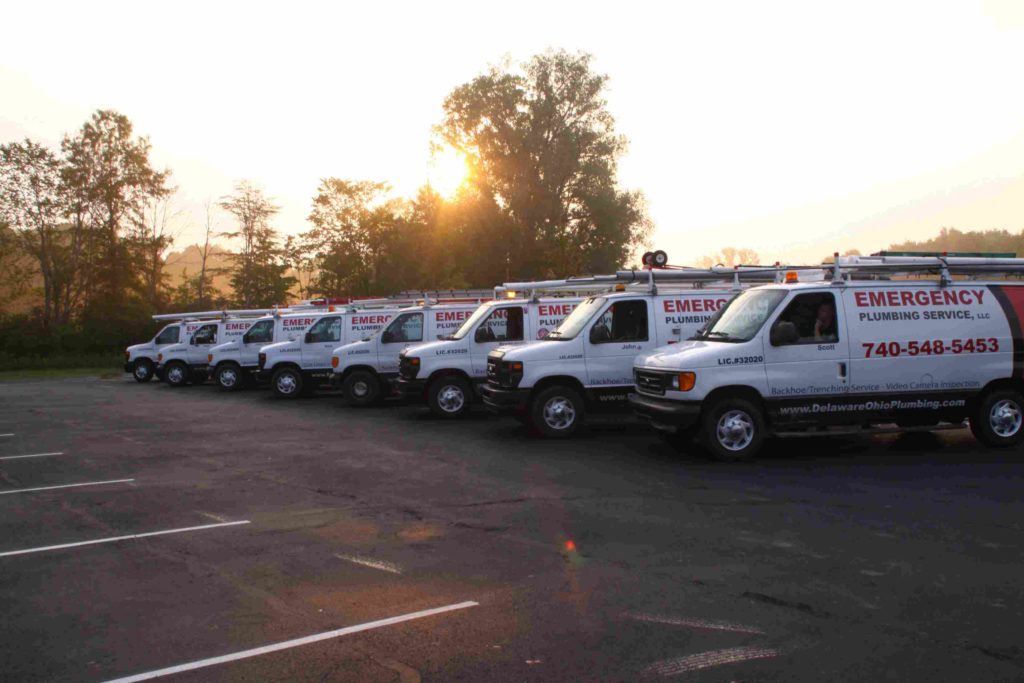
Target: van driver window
[(207, 334), (624, 321), (260, 333), (169, 335), (504, 324), (404, 329), (808, 319), (325, 330)]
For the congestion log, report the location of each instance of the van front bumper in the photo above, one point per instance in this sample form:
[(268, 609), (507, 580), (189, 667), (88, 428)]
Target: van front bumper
[(409, 388), (665, 414), (504, 401)]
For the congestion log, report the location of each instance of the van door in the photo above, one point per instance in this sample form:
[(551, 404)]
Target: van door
[(806, 352), (504, 325), (405, 329), (615, 337), (320, 340), (203, 339)]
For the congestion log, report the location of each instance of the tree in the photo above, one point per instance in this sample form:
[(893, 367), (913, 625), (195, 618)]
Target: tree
[(258, 278), (542, 149), (108, 180), (30, 203), (730, 256), (154, 231)]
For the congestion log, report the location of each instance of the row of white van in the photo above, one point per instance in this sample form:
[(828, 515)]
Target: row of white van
[(725, 363)]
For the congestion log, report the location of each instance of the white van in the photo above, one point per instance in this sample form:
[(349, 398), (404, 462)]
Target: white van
[(366, 369), (184, 362), (298, 366), (586, 363), (141, 359), (447, 374), (849, 356), (234, 364)]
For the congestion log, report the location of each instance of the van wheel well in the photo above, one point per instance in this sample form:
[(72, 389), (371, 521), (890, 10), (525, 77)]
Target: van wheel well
[(448, 371), (1011, 383), (737, 391), (354, 368), (284, 364), (567, 380)]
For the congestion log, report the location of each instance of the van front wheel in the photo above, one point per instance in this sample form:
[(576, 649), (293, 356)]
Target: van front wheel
[(287, 383), (229, 377), (998, 419), (176, 374), (733, 429), (449, 396), (142, 370), (360, 388), (557, 412)]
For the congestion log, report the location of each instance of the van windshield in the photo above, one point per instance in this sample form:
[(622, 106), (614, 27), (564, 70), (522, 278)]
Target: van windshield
[(740, 319), (577, 320), (169, 335), (471, 321)]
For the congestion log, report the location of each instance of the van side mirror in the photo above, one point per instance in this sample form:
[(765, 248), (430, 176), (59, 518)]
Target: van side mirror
[(480, 336), (783, 332), (387, 337), (600, 334), (308, 339)]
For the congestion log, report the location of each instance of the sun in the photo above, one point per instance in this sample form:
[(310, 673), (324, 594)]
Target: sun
[(447, 170)]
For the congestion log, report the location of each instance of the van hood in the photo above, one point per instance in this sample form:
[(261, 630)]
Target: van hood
[(537, 350), (360, 347), (688, 355), (280, 347), (442, 347), (173, 348), (141, 347), (226, 346)]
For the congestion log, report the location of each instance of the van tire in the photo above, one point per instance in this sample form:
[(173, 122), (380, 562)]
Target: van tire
[(557, 412), (449, 397), (142, 370), (733, 429), (997, 420), (287, 383), (360, 388), (177, 374), (229, 377)]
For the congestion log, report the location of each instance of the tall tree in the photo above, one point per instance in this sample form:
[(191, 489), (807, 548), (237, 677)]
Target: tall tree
[(153, 232), (30, 203), (259, 276), (108, 179), (542, 147)]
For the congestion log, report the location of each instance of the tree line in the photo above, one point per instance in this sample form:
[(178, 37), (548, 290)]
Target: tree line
[(85, 226)]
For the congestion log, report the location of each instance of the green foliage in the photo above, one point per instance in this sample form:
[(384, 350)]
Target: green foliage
[(951, 239)]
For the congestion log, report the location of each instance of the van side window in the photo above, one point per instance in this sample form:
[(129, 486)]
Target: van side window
[(808, 319), (503, 324), (325, 330), (207, 334), (623, 321), (404, 329), (260, 333), (168, 335)]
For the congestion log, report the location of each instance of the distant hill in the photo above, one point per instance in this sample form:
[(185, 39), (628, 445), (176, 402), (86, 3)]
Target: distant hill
[(187, 262)]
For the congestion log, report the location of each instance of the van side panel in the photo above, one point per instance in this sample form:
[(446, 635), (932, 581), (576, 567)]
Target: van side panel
[(679, 315)]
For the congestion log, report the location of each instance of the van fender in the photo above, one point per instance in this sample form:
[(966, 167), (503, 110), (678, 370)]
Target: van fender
[(352, 368), (743, 391), (567, 380)]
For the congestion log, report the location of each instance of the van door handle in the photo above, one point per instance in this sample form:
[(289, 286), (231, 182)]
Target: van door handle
[(842, 371)]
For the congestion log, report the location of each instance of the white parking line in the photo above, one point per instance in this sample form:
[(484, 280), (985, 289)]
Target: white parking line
[(3, 435), (708, 660), (373, 564), (114, 539), (694, 623), (266, 649), (30, 455), (66, 486)]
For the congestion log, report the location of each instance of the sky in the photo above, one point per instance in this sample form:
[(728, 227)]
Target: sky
[(792, 128)]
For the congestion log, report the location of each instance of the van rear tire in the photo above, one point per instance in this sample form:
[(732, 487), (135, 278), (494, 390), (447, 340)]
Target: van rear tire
[(998, 419), (449, 397), (287, 383), (142, 370), (360, 388), (177, 374), (733, 429)]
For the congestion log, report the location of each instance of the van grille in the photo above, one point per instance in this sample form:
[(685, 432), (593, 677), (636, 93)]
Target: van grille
[(648, 382), (492, 370)]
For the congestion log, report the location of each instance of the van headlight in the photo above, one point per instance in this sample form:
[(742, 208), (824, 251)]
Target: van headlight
[(683, 381)]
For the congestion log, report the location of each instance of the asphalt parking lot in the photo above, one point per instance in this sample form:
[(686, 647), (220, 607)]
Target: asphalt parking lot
[(384, 545)]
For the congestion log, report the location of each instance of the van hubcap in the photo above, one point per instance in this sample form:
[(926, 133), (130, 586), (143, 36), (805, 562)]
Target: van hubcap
[(1005, 418), (451, 399), (286, 384), (559, 413), (735, 430), (228, 377), (176, 375), (141, 370), (360, 389)]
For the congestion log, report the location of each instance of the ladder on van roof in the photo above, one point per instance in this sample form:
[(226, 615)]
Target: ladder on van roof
[(945, 266)]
